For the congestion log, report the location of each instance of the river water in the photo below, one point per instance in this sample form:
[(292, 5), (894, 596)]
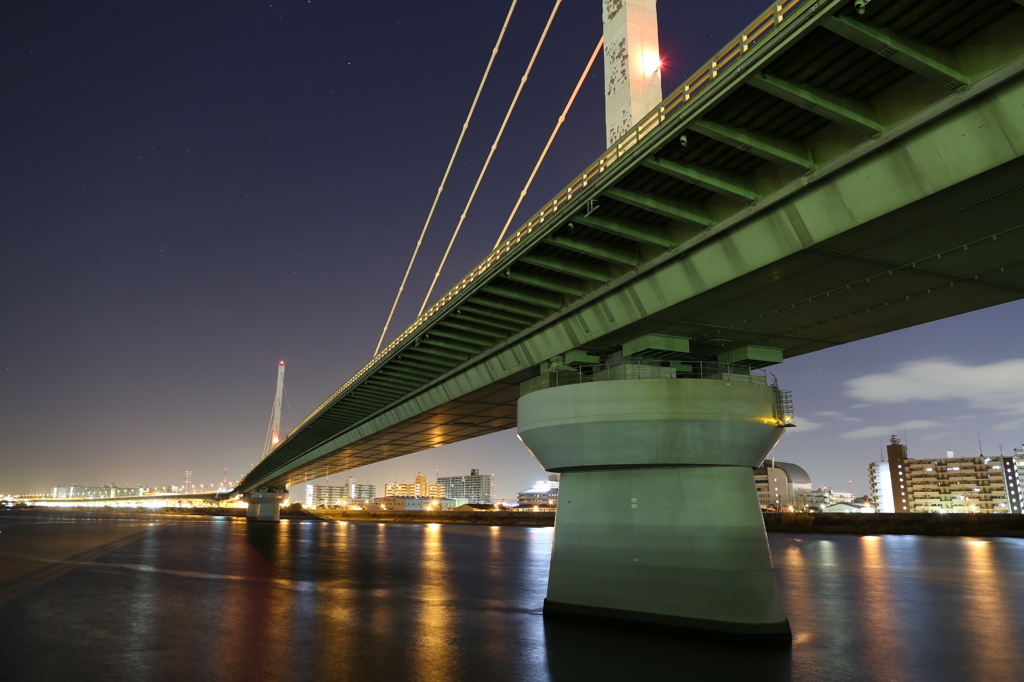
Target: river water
[(91, 595)]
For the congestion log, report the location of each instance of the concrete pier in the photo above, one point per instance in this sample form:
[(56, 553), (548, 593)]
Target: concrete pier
[(658, 519), (268, 505)]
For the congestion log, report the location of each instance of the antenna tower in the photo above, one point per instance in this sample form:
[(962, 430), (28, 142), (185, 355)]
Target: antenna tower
[(274, 430)]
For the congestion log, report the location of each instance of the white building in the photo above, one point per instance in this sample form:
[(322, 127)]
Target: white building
[(826, 497), (395, 503), (326, 495), (542, 494), (476, 487), (781, 486)]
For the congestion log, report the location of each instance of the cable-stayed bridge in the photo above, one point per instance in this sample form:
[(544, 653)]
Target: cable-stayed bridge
[(840, 170)]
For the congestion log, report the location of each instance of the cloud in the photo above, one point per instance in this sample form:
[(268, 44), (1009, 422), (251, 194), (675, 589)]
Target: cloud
[(886, 431), (837, 415), (996, 388)]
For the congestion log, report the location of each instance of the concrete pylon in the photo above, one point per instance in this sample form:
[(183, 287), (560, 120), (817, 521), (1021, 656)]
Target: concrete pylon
[(632, 64), (658, 518), (253, 510), (268, 504)]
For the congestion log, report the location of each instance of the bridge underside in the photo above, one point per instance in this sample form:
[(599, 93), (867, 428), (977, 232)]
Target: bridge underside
[(849, 176)]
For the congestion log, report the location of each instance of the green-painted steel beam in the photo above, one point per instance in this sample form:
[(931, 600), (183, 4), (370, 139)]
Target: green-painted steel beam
[(516, 322), (374, 388), (656, 345), (516, 308), (502, 323), (544, 299), (716, 181), (408, 367), (441, 353), (431, 340), (462, 337), (643, 234), (768, 148), (385, 393), (842, 110), (366, 399), (569, 267), (569, 286), (397, 382), (442, 365), (601, 250), (453, 322), (934, 64), (675, 209)]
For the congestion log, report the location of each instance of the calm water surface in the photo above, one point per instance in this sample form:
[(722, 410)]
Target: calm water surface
[(147, 597)]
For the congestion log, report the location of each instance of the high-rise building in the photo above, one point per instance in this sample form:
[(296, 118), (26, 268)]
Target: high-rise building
[(362, 492), (476, 487), (781, 485), (420, 488), (946, 485), (327, 495)]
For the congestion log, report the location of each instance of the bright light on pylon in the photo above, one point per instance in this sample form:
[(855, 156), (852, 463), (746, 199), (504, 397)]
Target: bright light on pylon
[(652, 63)]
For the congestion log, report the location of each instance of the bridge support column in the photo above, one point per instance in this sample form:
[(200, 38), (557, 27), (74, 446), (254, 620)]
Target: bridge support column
[(268, 504), (253, 510), (658, 519)]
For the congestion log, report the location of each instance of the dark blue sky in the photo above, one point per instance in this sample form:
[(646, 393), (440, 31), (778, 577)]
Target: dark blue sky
[(191, 191)]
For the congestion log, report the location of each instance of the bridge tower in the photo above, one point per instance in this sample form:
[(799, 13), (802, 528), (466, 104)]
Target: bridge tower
[(274, 430), (632, 64), (658, 517), (265, 504)]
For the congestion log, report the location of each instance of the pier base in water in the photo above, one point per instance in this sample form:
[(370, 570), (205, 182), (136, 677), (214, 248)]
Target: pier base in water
[(658, 520)]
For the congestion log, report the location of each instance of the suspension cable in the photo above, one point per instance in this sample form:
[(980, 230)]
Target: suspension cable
[(494, 146), (451, 162), (561, 120)]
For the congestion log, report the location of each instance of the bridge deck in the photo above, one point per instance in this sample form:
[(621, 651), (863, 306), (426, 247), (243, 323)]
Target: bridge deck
[(827, 177)]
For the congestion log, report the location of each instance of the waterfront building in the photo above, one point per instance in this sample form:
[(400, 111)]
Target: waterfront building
[(781, 486), (476, 487), (362, 492), (399, 503), (326, 495), (849, 508), (419, 488), (826, 497), (77, 490), (951, 484), (881, 488), (542, 494)]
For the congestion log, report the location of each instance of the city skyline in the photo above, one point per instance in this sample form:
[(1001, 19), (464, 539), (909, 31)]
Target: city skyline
[(192, 203)]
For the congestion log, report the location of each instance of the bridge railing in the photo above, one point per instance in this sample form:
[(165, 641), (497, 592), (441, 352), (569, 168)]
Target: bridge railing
[(673, 105), (649, 369)]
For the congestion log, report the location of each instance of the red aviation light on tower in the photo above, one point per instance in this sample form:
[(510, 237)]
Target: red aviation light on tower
[(281, 363)]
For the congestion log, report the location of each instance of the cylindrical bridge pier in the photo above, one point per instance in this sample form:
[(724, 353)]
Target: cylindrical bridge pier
[(265, 505), (658, 518)]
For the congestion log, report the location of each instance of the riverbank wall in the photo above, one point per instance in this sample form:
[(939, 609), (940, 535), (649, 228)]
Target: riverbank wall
[(954, 525), (481, 518)]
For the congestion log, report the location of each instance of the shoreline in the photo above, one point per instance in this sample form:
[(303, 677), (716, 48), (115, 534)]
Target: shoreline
[(935, 525)]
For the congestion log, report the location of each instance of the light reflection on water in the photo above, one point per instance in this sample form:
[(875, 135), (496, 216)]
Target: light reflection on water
[(309, 600)]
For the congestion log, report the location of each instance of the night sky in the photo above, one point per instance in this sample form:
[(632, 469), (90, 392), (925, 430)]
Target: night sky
[(193, 191)]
